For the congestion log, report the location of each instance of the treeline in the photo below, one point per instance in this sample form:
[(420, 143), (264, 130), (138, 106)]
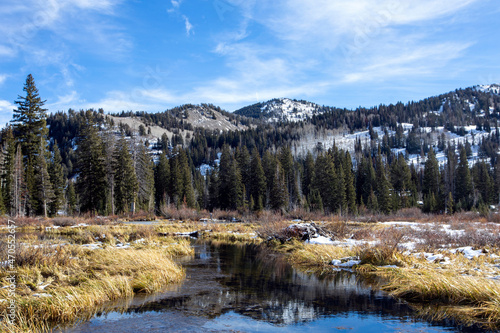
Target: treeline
[(453, 110), (82, 163)]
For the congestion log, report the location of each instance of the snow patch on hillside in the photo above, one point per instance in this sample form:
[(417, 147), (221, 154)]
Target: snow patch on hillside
[(286, 109), (489, 88)]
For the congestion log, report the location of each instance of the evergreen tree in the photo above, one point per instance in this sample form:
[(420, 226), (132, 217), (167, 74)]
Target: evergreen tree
[(91, 184), (383, 187), (176, 186), (243, 158), (308, 175), (315, 201), (287, 163), (125, 180), (9, 155), (145, 179), (29, 119), (44, 190), (279, 191), (30, 130), (213, 190), (257, 181), (450, 169), (162, 180), (230, 186), (340, 189), (269, 166), (401, 181), (430, 203), (71, 198), (372, 202), (450, 204), (56, 173), (431, 174), (350, 189), (18, 189), (365, 179), (109, 151), (463, 182), (484, 184), (187, 191), (325, 181)]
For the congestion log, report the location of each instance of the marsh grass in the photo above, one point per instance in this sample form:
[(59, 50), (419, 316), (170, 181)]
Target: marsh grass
[(320, 256), (233, 238), (59, 281), (78, 286)]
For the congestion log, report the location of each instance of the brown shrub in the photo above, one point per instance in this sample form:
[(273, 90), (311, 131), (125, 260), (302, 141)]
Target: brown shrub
[(183, 213), (64, 221), (143, 231), (32, 255), (271, 225), (226, 215)]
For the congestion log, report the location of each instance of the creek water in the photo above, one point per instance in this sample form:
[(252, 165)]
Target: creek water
[(244, 289)]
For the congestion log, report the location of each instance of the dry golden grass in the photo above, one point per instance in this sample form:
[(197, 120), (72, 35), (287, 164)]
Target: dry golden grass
[(59, 284), (320, 256), (78, 287)]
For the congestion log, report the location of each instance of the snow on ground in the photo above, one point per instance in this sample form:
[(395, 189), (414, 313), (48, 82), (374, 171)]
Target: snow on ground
[(346, 262), (468, 252), (415, 235), (320, 240), (287, 109)]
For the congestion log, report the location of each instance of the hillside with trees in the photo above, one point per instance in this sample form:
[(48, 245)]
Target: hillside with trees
[(401, 157)]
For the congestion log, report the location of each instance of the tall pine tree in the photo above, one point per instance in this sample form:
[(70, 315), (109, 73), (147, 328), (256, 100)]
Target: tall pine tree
[(91, 166)]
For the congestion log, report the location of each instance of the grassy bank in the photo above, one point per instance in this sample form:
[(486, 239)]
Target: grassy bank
[(438, 280), (67, 273)]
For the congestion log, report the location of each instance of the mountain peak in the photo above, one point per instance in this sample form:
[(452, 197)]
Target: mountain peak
[(281, 109)]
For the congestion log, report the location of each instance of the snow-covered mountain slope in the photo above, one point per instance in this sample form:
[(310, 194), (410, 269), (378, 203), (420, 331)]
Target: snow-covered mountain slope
[(489, 88), (289, 110), (281, 109)]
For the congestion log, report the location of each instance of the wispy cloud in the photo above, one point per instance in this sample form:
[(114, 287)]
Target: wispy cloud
[(64, 102), (3, 77), (176, 4), (394, 62), (189, 26), (328, 43), (73, 26)]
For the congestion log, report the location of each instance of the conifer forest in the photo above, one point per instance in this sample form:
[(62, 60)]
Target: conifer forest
[(88, 162)]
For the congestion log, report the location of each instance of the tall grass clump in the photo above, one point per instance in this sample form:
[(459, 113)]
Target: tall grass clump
[(57, 286)]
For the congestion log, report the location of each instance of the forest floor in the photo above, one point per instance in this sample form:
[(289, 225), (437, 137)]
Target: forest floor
[(66, 269)]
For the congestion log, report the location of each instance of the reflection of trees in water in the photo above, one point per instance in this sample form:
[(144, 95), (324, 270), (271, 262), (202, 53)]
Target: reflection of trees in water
[(257, 283)]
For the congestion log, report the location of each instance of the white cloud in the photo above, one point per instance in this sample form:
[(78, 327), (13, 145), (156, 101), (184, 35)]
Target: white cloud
[(73, 26), (7, 51), (117, 101), (393, 62), (3, 77), (64, 102), (331, 20), (176, 4), (189, 26), (325, 43), (6, 109)]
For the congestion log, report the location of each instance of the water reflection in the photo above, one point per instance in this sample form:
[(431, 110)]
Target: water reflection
[(227, 286)]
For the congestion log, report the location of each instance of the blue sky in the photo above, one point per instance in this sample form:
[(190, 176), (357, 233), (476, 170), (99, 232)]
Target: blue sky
[(154, 55)]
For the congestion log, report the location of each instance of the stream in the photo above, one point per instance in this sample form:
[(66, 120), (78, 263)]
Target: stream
[(232, 288)]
